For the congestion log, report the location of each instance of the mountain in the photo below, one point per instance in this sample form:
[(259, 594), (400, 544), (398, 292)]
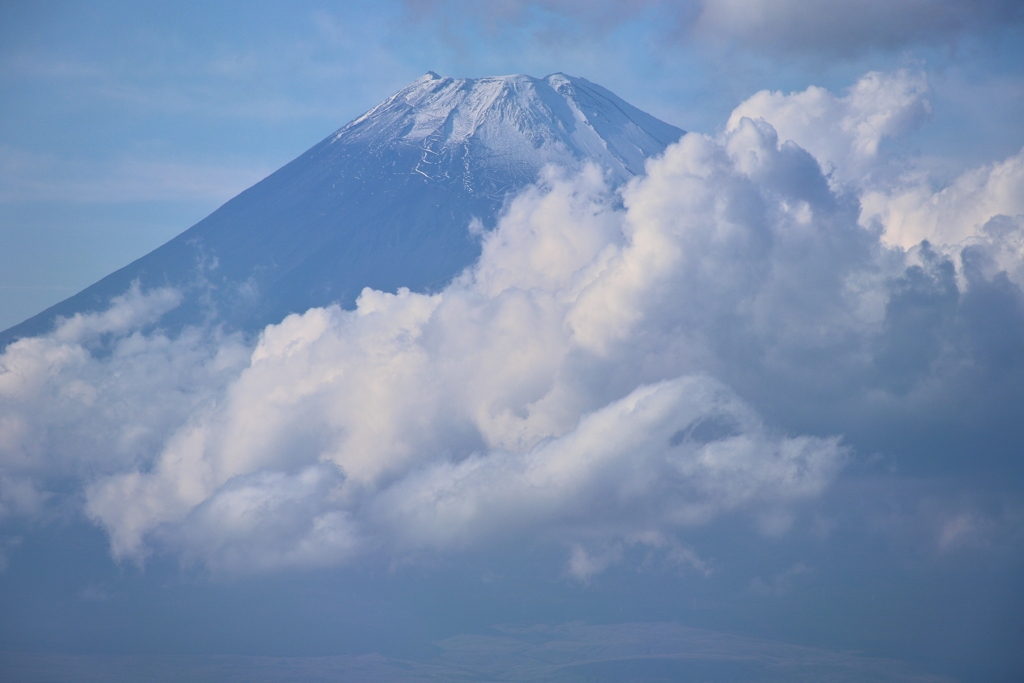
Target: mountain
[(384, 202)]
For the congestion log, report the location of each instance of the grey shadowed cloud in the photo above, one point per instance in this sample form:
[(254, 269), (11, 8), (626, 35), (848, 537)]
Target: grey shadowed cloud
[(813, 26)]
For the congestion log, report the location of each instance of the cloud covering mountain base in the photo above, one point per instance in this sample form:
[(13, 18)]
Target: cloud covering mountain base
[(719, 338)]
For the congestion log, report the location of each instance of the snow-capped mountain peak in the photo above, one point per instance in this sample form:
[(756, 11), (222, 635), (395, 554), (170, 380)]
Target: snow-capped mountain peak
[(385, 202), (516, 123)]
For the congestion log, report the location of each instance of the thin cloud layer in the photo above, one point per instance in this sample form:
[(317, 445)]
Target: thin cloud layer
[(615, 370), (46, 178), (833, 29), (846, 28)]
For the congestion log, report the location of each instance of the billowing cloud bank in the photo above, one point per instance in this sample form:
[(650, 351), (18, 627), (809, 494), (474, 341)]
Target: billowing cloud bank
[(615, 369)]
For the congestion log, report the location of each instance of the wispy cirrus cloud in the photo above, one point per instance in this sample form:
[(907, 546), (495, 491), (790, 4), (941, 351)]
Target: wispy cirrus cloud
[(44, 177)]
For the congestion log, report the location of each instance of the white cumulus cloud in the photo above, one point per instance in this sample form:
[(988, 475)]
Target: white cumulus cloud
[(615, 370), (843, 132)]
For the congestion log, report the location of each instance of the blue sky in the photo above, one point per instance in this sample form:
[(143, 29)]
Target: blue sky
[(783, 404), (124, 124)]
